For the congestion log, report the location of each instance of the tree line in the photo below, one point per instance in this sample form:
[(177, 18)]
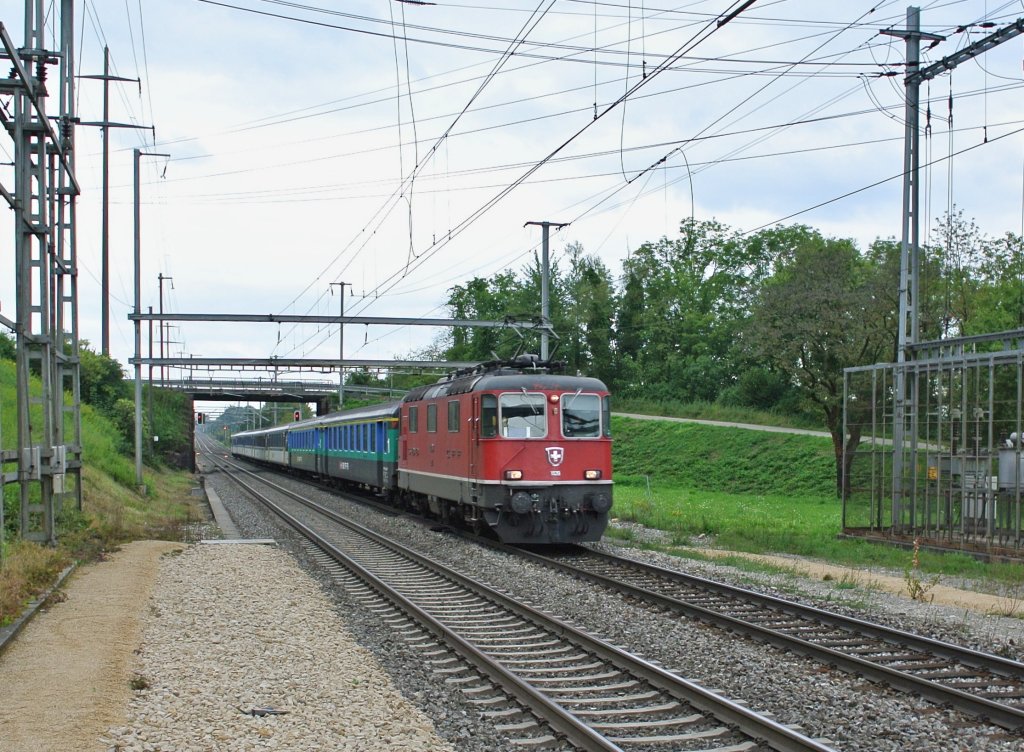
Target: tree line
[(106, 389), (766, 320)]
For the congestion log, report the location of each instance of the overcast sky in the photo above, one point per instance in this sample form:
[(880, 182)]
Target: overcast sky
[(401, 147)]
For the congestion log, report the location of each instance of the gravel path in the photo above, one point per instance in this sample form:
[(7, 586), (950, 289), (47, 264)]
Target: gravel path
[(233, 629), (853, 713), (65, 677)]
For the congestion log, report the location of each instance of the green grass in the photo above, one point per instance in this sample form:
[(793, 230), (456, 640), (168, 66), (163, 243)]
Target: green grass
[(756, 493), (715, 411), (743, 522), (801, 525), (714, 458), (102, 448)]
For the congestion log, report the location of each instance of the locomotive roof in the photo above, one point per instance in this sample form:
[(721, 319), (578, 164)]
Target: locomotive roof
[(510, 380)]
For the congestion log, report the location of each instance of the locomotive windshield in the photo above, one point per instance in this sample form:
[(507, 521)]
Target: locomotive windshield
[(523, 416), (581, 415)]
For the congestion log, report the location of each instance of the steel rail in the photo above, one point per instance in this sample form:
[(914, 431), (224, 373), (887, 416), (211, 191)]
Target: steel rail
[(557, 717), (996, 712), (776, 735)]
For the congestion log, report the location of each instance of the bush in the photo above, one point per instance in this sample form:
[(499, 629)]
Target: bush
[(103, 382), (7, 347), (758, 388)]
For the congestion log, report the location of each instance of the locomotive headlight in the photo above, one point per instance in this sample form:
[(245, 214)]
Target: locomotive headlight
[(513, 475), (592, 474)]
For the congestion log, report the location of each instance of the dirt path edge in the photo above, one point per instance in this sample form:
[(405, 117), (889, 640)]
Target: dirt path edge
[(66, 676)]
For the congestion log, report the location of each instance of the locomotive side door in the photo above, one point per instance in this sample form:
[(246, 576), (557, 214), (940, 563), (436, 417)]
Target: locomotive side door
[(474, 440), (477, 466)]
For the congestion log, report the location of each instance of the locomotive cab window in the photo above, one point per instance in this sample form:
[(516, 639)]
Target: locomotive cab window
[(488, 416), (432, 417), (453, 416), (581, 415), (414, 418), (523, 416)]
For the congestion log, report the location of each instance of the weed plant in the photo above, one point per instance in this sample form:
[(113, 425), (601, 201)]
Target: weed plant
[(27, 570)]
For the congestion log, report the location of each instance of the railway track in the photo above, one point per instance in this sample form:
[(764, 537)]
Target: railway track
[(986, 686), (588, 692)]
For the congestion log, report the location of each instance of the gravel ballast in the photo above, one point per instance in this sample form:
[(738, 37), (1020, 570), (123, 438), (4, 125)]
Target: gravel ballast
[(851, 712)]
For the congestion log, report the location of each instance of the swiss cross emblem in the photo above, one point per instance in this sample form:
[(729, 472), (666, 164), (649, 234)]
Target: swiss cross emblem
[(555, 455)]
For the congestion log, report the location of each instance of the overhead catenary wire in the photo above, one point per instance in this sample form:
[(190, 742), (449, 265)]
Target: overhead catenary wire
[(736, 9), (274, 195), (868, 11), (876, 183), (586, 171), (526, 29), (846, 195)]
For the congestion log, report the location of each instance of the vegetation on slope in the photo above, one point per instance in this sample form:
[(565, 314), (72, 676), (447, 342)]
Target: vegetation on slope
[(112, 511), (711, 458), (756, 492)]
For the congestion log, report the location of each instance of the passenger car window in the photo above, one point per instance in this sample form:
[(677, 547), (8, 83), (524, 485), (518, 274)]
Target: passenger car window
[(523, 416)]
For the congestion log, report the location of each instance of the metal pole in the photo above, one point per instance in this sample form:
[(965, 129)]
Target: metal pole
[(105, 126), (68, 110), (341, 342), (137, 154), (35, 187), (908, 318), (138, 328), (160, 280), (545, 284), (341, 347), (149, 396), (105, 235), (545, 292)]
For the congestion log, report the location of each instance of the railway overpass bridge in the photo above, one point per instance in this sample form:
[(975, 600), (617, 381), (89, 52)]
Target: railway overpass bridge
[(268, 390)]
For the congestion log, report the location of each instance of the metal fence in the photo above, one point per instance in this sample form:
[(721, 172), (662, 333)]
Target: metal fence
[(944, 465)]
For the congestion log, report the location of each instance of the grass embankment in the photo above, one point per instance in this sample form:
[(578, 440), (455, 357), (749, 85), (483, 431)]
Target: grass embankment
[(755, 492), (715, 411), (112, 512)]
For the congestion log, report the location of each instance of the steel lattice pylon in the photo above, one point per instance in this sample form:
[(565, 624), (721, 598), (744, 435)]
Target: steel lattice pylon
[(48, 453)]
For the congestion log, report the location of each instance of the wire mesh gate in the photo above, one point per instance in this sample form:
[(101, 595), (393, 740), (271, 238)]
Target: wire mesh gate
[(945, 465)]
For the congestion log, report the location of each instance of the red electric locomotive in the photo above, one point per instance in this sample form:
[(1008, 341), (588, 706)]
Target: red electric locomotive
[(511, 447)]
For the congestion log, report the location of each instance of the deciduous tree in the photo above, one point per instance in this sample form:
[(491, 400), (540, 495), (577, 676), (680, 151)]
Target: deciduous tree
[(821, 312)]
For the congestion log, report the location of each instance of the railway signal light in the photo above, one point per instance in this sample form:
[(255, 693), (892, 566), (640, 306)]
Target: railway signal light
[(297, 415), (199, 418)]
